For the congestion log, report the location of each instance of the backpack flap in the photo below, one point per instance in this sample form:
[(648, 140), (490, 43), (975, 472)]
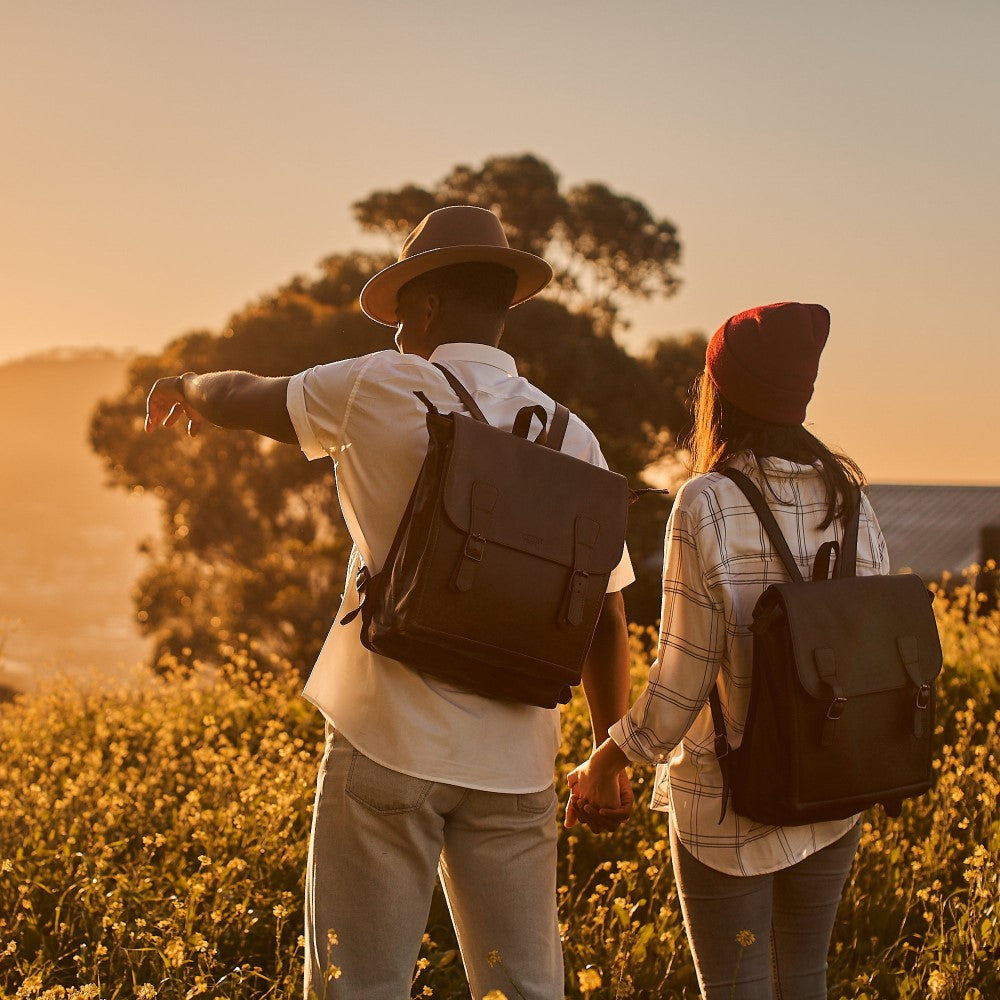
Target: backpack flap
[(861, 636), (503, 490)]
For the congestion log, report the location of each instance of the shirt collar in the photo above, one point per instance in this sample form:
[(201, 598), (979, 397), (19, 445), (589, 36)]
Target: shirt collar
[(480, 353), (773, 466)]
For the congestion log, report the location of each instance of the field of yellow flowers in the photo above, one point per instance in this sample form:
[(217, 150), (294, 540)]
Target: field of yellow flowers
[(153, 839)]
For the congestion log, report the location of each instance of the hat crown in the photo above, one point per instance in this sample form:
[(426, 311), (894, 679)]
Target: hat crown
[(455, 226), (765, 360), (785, 338), (456, 234)]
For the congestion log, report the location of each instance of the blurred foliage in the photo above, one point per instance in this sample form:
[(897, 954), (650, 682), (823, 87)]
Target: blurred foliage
[(605, 247), (153, 841), (252, 534)]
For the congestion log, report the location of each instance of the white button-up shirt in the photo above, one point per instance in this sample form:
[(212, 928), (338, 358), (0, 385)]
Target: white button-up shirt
[(718, 562), (363, 413)]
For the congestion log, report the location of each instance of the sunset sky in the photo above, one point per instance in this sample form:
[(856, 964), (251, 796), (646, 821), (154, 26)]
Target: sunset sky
[(165, 163)]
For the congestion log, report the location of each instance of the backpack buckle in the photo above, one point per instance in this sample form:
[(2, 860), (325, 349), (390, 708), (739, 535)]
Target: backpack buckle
[(836, 709), (920, 711), (721, 746), (475, 547)]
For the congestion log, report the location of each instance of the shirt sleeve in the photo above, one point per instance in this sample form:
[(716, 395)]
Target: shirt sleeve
[(878, 553), (622, 575), (319, 404), (691, 648)]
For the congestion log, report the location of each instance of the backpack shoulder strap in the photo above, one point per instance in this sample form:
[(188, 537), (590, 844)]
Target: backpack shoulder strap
[(463, 394), (557, 428), (847, 561), (552, 438), (721, 747), (759, 505)]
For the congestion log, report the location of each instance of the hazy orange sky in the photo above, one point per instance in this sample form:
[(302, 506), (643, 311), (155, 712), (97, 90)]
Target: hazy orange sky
[(165, 163)]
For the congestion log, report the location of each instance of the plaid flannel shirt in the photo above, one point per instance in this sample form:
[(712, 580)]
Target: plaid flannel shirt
[(718, 561)]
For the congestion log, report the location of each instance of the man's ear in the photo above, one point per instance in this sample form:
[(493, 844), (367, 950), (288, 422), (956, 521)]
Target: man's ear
[(432, 309)]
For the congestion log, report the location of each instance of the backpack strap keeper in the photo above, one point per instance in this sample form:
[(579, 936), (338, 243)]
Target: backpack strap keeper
[(585, 532), (909, 653), (482, 503), (826, 667)]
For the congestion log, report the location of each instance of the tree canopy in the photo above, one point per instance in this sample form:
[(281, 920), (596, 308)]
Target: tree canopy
[(253, 541), (605, 247)]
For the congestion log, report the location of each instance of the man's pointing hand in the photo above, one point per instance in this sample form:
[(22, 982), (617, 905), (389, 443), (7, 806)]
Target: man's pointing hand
[(166, 403)]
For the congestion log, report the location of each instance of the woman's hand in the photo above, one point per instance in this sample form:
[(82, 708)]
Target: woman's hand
[(595, 785)]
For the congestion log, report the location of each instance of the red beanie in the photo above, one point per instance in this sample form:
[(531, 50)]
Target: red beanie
[(764, 361)]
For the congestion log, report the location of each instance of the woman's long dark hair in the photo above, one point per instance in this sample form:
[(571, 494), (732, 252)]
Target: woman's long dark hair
[(721, 432)]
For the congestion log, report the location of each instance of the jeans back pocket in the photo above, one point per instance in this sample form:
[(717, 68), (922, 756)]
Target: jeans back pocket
[(382, 789)]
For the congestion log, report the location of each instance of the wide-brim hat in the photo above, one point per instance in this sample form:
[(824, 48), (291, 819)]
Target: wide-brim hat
[(459, 234)]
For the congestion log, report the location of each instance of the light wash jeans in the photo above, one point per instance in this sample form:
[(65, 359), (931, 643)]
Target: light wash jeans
[(379, 838), (763, 937)]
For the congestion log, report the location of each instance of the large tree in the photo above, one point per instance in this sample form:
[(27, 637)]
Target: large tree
[(605, 247), (252, 538)]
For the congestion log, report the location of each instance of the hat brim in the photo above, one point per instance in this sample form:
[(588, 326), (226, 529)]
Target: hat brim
[(378, 297)]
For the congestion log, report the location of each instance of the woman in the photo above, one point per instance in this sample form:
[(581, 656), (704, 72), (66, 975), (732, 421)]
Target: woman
[(758, 901)]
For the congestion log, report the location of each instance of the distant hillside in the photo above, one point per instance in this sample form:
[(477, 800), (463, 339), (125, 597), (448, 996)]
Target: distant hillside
[(68, 543)]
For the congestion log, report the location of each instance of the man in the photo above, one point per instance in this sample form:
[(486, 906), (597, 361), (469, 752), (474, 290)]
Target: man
[(420, 777)]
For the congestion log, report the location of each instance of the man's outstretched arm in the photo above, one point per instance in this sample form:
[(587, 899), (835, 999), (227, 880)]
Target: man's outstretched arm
[(237, 400)]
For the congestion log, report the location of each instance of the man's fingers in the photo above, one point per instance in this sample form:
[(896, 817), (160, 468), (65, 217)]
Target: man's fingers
[(175, 414), (165, 406), (571, 815), (614, 813), (581, 811), (155, 413)]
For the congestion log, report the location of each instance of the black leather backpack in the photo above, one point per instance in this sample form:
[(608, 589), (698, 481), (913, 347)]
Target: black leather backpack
[(498, 570), (841, 712)]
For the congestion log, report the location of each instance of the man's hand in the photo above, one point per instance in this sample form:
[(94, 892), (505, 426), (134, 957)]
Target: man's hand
[(603, 819), (600, 792), (165, 405), (236, 400)]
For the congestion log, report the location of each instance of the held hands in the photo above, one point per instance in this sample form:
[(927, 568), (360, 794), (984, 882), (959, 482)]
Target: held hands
[(166, 404), (600, 796)]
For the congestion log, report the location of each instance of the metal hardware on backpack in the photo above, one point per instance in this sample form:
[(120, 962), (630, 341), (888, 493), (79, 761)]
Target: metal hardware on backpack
[(498, 569), (841, 712)]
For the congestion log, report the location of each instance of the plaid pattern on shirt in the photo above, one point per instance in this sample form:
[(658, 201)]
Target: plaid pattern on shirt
[(717, 563)]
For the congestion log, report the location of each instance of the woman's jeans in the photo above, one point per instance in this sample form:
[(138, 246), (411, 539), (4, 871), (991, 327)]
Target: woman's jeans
[(758, 937)]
